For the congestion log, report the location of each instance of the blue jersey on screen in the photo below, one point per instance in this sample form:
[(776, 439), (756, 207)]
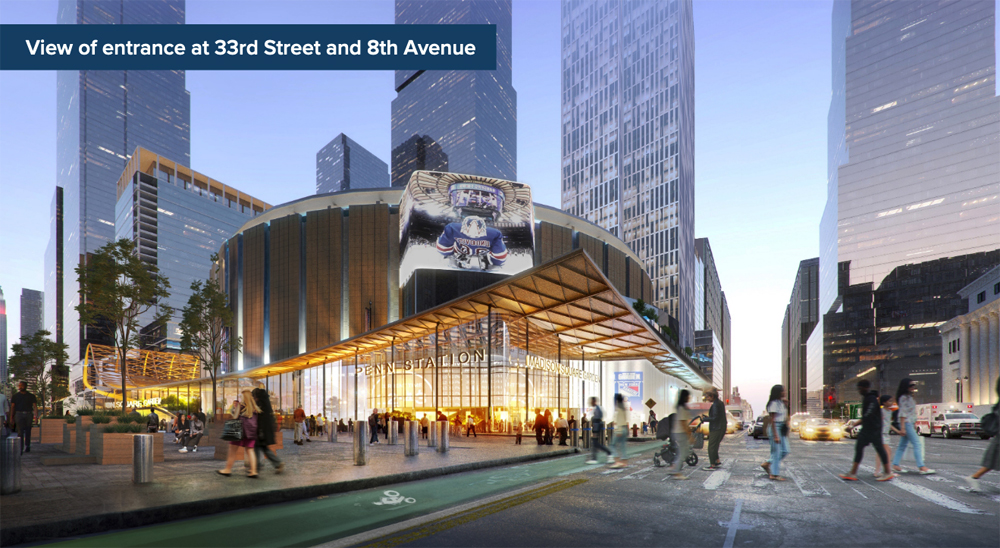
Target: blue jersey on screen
[(472, 244)]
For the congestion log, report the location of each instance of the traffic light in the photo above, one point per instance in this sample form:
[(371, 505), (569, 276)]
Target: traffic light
[(727, 402)]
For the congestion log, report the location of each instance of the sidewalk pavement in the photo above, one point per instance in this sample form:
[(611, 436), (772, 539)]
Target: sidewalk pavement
[(79, 499)]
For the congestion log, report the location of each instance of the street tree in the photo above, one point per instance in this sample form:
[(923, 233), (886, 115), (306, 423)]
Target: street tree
[(206, 327), (118, 291), (41, 362)]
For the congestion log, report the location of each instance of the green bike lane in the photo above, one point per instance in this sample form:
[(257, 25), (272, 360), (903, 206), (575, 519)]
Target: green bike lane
[(323, 519)]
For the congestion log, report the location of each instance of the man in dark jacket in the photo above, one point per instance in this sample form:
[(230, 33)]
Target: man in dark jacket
[(871, 433), (716, 427), (541, 426)]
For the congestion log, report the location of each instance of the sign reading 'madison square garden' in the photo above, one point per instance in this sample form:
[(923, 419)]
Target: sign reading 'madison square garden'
[(477, 357)]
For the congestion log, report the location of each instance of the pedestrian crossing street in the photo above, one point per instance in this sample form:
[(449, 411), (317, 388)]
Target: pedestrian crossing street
[(812, 472)]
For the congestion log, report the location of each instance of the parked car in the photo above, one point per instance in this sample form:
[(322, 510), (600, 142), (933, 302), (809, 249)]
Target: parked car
[(757, 430), (821, 429)]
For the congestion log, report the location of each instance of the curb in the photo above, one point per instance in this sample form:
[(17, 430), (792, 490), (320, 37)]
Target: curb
[(102, 523)]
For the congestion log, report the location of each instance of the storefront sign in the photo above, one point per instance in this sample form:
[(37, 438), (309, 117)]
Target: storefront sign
[(538, 362), (468, 358), (151, 402), (446, 360)]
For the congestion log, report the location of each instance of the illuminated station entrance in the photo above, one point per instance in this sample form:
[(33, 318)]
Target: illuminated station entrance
[(540, 339)]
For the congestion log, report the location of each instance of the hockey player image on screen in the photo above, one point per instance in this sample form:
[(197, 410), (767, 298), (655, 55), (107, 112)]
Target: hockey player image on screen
[(472, 245)]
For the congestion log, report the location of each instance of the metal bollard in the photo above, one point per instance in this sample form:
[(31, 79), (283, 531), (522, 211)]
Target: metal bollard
[(432, 434), (393, 433), (331, 434), (411, 438), (575, 440), (10, 466), (142, 458), (361, 443), (443, 436), (586, 438)]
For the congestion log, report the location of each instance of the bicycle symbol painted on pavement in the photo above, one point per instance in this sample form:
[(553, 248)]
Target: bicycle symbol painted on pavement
[(393, 498)]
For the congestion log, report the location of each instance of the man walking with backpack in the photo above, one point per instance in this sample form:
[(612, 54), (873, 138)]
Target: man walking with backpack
[(716, 427), (597, 431)]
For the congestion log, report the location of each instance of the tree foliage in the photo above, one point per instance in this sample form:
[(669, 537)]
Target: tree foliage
[(40, 362), (645, 310), (206, 327), (117, 290)]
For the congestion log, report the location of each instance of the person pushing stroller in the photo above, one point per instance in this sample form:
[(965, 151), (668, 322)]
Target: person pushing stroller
[(681, 437)]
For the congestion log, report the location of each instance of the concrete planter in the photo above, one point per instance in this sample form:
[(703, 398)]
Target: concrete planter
[(51, 430), (83, 435), (69, 438), (110, 448)]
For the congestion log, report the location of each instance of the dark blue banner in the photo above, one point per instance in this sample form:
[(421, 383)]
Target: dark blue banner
[(248, 47)]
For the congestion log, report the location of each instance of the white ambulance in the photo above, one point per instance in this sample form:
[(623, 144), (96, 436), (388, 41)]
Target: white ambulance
[(950, 420)]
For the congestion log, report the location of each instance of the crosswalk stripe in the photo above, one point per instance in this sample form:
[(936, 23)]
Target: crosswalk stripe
[(937, 498), (718, 478), (634, 476), (808, 486)]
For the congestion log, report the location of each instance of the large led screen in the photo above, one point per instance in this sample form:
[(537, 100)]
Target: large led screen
[(449, 221)]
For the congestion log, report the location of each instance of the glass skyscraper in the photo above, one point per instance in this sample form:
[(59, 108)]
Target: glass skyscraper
[(102, 117), (801, 316), (178, 218), (32, 312), (344, 165), (458, 121), (711, 315), (913, 177), (628, 135)]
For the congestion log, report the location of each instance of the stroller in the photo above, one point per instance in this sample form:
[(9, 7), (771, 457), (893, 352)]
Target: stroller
[(666, 455)]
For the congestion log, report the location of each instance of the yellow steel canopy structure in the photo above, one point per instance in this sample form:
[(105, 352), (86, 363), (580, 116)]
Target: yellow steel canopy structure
[(102, 372)]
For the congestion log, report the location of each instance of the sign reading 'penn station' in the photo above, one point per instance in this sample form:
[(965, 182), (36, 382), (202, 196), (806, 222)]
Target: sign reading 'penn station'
[(477, 357)]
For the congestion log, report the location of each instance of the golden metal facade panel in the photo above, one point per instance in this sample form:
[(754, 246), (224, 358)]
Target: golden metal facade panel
[(253, 297), (285, 257), (324, 266)]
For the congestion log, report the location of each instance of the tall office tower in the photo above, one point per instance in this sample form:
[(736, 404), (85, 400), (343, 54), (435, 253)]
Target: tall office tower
[(177, 218), (628, 135), (102, 117), (458, 121), (801, 316), (54, 270), (344, 165), (711, 315), (3, 338), (32, 312), (913, 138)]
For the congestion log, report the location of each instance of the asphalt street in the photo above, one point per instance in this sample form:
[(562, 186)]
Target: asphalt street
[(564, 502)]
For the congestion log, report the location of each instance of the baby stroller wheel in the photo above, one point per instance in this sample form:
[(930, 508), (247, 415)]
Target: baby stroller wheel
[(656, 461), (692, 460)]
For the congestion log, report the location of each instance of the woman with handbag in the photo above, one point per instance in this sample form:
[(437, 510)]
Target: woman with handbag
[(991, 458), (247, 412)]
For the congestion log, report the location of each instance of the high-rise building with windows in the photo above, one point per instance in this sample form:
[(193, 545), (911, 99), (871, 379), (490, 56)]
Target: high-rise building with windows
[(345, 165), (458, 121), (54, 270), (801, 316), (628, 135), (711, 313), (177, 218), (913, 177), (32, 312), (102, 117)]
